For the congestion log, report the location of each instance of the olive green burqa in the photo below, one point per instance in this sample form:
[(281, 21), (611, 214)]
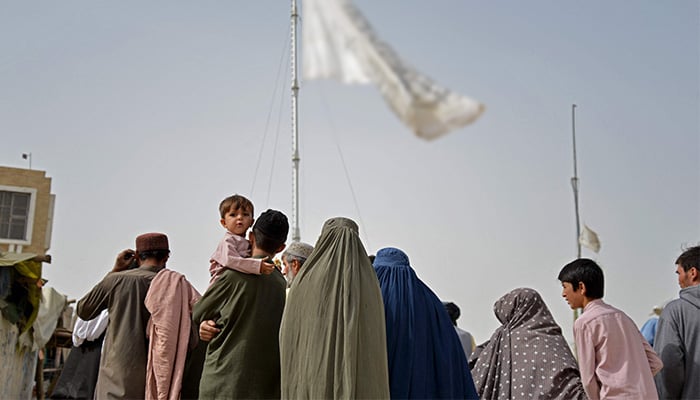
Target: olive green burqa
[(332, 338)]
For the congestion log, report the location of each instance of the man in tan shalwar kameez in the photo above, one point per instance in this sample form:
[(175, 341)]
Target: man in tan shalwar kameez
[(122, 292)]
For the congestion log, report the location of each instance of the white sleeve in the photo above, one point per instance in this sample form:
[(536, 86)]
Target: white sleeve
[(89, 330)]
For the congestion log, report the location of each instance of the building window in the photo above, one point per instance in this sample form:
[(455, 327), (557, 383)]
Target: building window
[(16, 214)]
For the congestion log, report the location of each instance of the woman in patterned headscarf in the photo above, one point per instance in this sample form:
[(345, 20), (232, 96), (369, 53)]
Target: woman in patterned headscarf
[(426, 360), (332, 338), (527, 357)]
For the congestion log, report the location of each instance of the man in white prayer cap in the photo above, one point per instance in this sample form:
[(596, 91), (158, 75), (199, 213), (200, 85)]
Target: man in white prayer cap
[(293, 258)]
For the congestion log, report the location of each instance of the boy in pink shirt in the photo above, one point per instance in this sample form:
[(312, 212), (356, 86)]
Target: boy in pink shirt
[(615, 360), (234, 249)]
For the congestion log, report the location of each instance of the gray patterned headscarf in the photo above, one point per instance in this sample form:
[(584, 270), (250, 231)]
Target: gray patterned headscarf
[(527, 357)]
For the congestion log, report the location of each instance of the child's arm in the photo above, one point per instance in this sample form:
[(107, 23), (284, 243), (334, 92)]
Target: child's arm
[(228, 256), (266, 268), (245, 265)]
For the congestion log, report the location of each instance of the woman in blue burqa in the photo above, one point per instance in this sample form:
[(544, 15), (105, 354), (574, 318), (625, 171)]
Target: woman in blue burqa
[(332, 340), (426, 360)]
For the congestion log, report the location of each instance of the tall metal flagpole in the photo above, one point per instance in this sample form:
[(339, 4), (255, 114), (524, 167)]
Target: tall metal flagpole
[(295, 125), (574, 186)]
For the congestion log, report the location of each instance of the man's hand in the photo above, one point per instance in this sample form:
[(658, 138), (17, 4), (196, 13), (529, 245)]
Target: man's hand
[(124, 260), (266, 268), (207, 330)]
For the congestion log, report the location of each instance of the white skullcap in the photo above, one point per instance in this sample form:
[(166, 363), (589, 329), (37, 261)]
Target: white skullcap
[(299, 249)]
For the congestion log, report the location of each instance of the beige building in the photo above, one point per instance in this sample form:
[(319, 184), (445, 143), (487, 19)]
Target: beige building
[(26, 210), (26, 217)]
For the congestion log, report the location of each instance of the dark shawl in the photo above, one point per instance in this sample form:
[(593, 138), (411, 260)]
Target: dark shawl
[(426, 360), (332, 339), (79, 373), (527, 357)]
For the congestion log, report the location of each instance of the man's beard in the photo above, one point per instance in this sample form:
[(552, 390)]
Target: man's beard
[(289, 276)]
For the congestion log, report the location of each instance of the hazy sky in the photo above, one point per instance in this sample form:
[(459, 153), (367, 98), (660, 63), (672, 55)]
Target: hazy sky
[(147, 114)]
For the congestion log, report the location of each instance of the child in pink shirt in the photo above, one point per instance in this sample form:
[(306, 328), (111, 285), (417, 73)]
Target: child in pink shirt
[(234, 249), (615, 360)]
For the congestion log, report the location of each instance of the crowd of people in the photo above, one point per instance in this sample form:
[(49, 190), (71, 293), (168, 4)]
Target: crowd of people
[(334, 322)]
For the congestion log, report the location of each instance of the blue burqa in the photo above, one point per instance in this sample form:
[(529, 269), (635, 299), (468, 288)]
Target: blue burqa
[(426, 360)]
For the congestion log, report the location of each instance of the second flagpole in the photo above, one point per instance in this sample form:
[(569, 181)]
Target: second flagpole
[(574, 186)]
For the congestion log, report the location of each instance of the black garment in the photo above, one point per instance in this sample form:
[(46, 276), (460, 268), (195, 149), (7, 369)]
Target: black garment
[(79, 375)]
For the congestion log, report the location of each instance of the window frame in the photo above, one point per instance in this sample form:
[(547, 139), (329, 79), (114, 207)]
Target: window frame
[(30, 217)]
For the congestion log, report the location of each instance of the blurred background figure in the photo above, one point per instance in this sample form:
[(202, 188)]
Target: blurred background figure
[(465, 337), (649, 328)]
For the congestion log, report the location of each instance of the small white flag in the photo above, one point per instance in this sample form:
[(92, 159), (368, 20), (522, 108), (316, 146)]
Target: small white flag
[(589, 239), (339, 43)]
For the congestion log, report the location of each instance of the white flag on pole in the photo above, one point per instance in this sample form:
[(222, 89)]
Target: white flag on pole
[(338, 43), (589, 239)]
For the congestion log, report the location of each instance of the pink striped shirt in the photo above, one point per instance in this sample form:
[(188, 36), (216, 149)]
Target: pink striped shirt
[(615, 360)]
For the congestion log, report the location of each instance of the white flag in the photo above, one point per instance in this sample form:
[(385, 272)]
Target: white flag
[(338, 43), (589, 239)]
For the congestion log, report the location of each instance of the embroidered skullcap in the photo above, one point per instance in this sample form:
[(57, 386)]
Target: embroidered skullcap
[(299, 249), (152, 241), (273, 224)]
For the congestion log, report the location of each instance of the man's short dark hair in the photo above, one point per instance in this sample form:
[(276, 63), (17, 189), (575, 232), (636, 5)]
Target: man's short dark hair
[(159, 255), (452, 310), (270, 230), (586, 271), (689, 259)]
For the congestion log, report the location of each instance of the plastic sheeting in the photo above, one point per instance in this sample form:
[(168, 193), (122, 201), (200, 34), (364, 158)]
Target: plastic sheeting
[(18, 365), (50, 310)]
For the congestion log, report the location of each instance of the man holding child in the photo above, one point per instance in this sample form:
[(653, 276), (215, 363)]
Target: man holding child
[(243, 359)]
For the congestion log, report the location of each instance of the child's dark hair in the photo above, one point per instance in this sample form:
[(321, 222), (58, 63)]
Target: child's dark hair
[(586, 271), (690, 259), (234, 203)]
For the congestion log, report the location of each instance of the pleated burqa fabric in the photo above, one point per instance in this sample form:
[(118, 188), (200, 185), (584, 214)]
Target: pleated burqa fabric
[(332, 338), (527, 357), (426, 359)]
